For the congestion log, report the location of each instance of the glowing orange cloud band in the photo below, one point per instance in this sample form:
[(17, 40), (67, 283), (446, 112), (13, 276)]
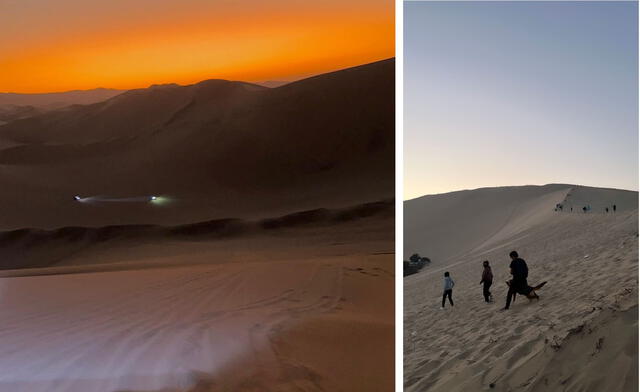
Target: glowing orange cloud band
[(252, 47)]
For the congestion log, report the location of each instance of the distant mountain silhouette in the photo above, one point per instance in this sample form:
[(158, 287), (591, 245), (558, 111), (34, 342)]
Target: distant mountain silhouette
[(58, 100), (10, 113)]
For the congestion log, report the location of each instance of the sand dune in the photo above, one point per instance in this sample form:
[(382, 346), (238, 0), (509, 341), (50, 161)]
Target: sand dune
[(587, 315), (448, 225), (10, 113), (57, 100), (264, 264), (28, 251), (15, 106), (289, 309), (216, 149)]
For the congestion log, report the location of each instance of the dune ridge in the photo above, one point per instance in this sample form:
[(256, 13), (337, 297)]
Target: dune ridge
[(448, 225), (34, 248)]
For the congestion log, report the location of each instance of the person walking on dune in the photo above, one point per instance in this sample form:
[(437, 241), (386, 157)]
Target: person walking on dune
[(614, 208), (486, 281), (448, 288), (520, 273)]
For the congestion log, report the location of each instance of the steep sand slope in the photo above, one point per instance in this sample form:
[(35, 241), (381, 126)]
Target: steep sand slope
[(214, 149), (449, 225), (289, 309), (586, 318)]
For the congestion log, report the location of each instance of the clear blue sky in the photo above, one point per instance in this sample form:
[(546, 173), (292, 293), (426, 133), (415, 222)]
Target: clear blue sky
[(512, 93)]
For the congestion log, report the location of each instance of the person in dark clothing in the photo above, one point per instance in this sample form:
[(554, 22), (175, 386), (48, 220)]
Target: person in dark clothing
[(518, 267), (486, 281), (606, 209), (520, 272), (448, 289), (614, 208), (519, 285)]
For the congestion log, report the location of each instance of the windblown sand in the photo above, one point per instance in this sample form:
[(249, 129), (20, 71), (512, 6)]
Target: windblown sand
[(294, 309), (583, 333)]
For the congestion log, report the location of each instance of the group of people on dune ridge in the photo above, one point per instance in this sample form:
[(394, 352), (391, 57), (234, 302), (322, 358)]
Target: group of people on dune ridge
[(517, 285), (560, 207)]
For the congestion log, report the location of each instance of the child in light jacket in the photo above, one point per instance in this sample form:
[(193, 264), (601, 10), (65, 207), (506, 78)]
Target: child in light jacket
[(448, 288)]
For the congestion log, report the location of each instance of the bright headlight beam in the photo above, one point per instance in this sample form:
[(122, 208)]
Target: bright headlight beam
[(134, 199)]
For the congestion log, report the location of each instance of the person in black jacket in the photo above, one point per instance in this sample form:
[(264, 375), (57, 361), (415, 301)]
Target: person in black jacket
[(520, 272)]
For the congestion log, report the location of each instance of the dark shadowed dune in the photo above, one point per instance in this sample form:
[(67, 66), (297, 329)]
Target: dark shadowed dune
[(297, 219), (33, 248), (216, 148)]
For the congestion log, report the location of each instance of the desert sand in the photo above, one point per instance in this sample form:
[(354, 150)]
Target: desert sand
[(266, 264), (582, 335), (286, 308)]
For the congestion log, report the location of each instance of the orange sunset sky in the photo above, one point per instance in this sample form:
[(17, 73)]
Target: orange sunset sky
[(60, 45)]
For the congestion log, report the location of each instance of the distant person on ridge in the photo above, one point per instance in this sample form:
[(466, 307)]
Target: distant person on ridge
[(486, 281), (448, 288), (614, 208), (606, 209)]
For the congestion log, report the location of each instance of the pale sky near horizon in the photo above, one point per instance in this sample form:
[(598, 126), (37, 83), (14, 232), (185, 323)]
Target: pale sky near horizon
[(514, 93)]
